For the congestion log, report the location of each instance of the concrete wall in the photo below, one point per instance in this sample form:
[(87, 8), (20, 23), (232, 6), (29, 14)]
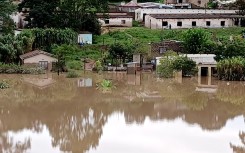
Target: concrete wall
[(117, 22), (139, 12), (186, 23), (41, 57)]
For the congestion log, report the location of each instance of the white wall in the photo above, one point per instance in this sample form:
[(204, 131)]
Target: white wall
[(186, 23), (40, 57), (117, 22), (139, 12)]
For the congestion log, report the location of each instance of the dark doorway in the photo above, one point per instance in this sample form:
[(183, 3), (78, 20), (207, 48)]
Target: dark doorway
[(144, 14), (242, 22), (204, 71), (236, 23)]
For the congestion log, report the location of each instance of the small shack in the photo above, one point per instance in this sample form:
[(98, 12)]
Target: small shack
[(85, 37), (38, 58)]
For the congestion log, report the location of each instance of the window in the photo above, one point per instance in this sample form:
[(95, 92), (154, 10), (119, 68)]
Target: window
[(179, 24), (123, 21), (222, 23), (164, 23), (162, 50), (199, 2), (180, 1), (107, 21), (208, 23), (43, 64), (194, 23)]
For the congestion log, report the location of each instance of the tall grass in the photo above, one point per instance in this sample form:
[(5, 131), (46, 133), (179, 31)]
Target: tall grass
[(231, 69), (155, 35)]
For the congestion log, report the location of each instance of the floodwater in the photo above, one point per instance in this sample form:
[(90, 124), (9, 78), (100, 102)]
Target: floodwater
[(141, 114)]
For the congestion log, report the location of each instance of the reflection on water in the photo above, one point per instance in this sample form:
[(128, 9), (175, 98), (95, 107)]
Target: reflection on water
[(50, 113)]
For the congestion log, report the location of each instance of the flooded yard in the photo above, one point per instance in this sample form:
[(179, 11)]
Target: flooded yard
[(141, 114)]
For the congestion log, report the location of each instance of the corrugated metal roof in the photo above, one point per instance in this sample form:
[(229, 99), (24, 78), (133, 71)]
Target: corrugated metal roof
[(34, 53)]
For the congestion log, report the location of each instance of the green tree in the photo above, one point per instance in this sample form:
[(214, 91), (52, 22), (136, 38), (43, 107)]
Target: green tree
[(45, 38), (241, 6), (229, 49), (79, 15), (6, 9), (121, 51), (10, 49), (186, 65), (26, 39), (196, 41), (41, 12)]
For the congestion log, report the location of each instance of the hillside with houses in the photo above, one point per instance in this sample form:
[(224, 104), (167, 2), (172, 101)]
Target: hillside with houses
[(111, 34)]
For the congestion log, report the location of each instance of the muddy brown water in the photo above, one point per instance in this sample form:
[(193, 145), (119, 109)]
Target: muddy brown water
[(141, 114)]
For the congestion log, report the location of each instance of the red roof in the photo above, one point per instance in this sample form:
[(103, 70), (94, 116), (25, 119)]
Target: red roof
[(34, 53)]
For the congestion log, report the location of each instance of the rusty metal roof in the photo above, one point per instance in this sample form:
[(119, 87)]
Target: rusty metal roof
[(34, 53)]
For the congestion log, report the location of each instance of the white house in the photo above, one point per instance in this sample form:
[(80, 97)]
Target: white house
[(176, 21), (116, 19), (141, 13)]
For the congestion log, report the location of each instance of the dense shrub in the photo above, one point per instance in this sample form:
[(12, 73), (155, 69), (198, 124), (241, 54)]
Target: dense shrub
[(98, 66), (186, 65), (4, 85), (106, 85), (165, 69), (169, 64), (231, 69), (17, 69), (72, 74), (74, 65)]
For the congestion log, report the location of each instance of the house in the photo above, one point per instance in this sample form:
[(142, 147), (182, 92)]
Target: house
[(115, 19), (38, 58), (176, 21), (158, 49), (129, 7), (142, 12), (198, 3), (206, 63)]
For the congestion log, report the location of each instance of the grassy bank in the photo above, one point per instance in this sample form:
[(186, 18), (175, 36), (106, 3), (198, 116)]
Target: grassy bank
[(151, 35)]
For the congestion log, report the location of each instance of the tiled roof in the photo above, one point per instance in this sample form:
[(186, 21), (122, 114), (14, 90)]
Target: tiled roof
[(34, 53), (193, 16)]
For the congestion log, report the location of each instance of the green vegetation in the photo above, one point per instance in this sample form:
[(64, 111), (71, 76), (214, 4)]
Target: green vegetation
[(17, 69), (165, 69), (186, 65), (106, 85), (72, 74), (231, 69), (74, 65), (171, 63), (98, 66), (4, 85), (75, 14), (146, 35), (6, 9), (230, 48), (196, 41)]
